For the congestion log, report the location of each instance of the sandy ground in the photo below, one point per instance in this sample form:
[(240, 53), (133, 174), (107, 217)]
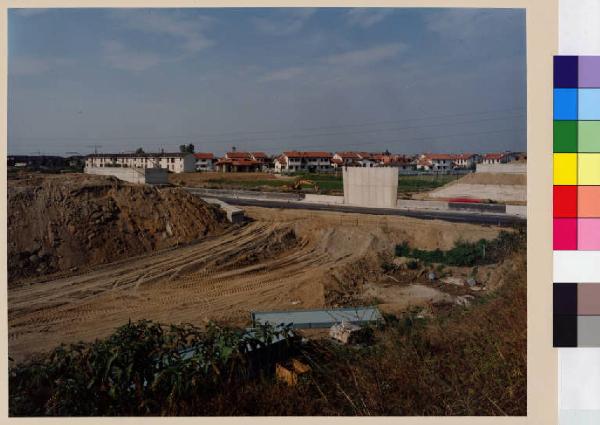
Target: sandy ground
[(283, 259), (507, 188)]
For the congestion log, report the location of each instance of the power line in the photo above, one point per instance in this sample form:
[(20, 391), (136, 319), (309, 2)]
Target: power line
[(198, 136)]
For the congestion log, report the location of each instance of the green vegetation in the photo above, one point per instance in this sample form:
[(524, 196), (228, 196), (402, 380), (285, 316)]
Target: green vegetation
[(332, 183), (142, 369), (248, 184), (423, 183), (468, 254)]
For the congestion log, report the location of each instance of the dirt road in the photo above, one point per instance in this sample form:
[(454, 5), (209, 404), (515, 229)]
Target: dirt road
[(282, 260)]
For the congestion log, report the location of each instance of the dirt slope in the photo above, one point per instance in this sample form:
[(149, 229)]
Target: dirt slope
[(499, 187), (58, 223), (284, 259)]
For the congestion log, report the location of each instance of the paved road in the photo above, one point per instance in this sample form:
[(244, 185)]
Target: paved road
[(458, 216)]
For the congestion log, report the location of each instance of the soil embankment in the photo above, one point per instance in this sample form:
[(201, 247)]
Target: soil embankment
[(65, 222), (497, 187)]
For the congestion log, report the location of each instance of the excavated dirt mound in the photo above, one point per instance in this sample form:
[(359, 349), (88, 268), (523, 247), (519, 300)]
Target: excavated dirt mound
[(494, 178), (282, 259), (61, 223), (499, 187)]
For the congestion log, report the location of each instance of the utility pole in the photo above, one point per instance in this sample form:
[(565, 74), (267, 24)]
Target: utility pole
[(95, 148)]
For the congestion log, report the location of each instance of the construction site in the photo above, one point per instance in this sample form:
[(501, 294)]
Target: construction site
[(89, 253)]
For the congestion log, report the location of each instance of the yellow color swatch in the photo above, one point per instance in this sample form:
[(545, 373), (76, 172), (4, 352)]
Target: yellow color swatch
[(589, 168), (565, 168)]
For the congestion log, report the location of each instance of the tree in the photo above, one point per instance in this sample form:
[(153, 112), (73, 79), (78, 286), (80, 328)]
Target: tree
[(189, 148), (139, 151)]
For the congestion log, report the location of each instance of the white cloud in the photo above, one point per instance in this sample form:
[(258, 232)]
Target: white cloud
[(367, 17), (366, 56), (121, 57), (189, 30), (472, 24), (29, 12), (283, 74), (289, 22), (27, 65)]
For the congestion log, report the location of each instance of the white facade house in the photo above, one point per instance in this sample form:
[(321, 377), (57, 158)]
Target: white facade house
[(436, 162), (498, 158), (173, 162), (205, 161), (467, 160), (304, 161)]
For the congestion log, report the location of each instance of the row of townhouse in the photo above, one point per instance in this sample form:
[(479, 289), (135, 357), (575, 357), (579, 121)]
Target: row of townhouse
[(446, 162), (175, 162), (293, 161)]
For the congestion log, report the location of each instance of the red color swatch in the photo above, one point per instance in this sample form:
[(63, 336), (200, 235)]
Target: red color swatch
[(565, 201), (565, 234)]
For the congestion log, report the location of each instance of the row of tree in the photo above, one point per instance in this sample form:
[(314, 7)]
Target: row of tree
[(189, 148)]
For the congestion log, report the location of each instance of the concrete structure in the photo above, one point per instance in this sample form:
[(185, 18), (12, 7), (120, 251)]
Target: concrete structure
[(324, 318), (132, 174), (235, 215), (371, 187), (174, 162), (205, 161), (511, 168), (304, 161)]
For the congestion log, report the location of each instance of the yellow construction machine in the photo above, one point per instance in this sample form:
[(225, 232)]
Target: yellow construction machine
[(299, 182)]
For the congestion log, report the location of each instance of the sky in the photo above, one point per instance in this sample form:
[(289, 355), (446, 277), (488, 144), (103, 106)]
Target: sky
[(408, 80)]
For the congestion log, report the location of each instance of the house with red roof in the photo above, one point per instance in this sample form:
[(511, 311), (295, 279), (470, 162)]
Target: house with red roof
[(467, 160), (436, 162), (498, 157), (205, 161), (237, 162), (312, 161)]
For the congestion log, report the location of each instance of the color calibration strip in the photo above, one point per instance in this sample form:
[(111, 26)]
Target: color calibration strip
[(576, 207)]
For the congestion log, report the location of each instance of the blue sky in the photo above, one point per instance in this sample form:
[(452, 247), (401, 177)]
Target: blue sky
[(407, 80)]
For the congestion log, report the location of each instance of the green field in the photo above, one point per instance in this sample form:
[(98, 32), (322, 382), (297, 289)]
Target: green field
[(330, 183)]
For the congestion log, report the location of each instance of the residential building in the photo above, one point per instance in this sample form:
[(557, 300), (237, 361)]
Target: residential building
[(499, 157), (205, 161), (467, 160), (174, 162), (304, 161), (237, 162), (346, 158), (436, 162), (264, 161)]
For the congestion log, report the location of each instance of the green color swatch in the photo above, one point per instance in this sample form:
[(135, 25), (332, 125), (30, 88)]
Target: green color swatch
[(565, 136), (589, 136)]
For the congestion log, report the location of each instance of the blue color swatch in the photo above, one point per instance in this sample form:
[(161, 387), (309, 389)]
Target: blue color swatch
[(565, 104), (589, 104)]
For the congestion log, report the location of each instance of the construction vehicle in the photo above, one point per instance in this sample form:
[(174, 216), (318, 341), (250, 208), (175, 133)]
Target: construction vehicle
[(299, 182)]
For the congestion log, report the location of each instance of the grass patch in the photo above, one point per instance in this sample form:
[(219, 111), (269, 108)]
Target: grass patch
[(468, 254), (423, 183)]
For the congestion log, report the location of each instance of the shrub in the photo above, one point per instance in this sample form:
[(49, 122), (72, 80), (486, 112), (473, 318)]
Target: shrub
[(144, 368), (468, 254)]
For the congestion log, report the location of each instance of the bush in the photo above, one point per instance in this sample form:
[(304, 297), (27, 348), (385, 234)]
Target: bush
[(469, 254), (144, 368)]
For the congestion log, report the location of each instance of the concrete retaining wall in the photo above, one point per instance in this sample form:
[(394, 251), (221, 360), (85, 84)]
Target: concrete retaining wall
[(323, 199), (132, 175), (248, 194), (371, 187), (234, 214), (511, 168)]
